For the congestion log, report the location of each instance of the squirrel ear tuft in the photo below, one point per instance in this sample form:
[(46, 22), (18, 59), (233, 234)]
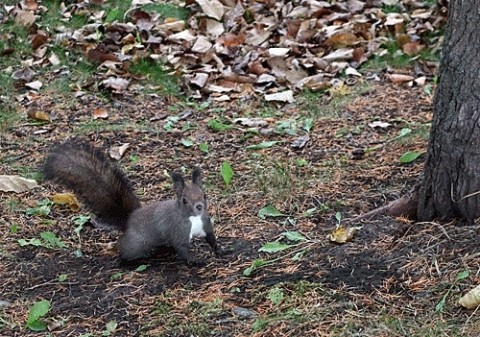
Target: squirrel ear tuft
[(178, 183), (197, 176)]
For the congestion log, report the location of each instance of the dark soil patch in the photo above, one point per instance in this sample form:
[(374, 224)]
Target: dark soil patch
[(392, 268)]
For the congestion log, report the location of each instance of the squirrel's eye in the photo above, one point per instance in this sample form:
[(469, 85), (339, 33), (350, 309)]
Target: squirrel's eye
[(185, 201)]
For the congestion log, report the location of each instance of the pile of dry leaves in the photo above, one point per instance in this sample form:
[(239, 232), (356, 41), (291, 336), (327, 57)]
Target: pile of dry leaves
[(228, 49)]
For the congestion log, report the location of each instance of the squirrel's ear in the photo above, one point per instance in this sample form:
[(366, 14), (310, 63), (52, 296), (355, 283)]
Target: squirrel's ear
[(178, 183), (197, 176)]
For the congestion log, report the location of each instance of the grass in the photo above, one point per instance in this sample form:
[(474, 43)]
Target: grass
[(166, 10), (318, 105), (9, 63), (9, 116), (280, 182), (116, 10), (198, 319), (159, 78), (395, 58), (99, 126)]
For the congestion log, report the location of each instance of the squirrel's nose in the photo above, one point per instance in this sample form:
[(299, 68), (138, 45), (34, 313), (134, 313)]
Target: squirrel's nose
[(199, 207)]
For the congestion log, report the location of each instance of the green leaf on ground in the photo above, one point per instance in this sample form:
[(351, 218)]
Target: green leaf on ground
[(262, 145), (274, 247), (218, 126), (294, 236), (38, 310), (186, 142), (408, 157), (227, 173), (269, 210), (258, 263)]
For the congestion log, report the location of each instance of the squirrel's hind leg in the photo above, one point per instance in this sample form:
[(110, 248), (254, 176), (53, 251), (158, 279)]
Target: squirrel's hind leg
[(132, 247)]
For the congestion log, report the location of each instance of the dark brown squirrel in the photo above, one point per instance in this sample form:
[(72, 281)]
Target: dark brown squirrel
[(108, 193)]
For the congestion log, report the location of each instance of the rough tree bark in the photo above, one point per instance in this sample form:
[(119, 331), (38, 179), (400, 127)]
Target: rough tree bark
[(452, 168)]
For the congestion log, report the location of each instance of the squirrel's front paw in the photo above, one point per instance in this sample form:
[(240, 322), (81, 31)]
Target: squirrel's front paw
[(196, 263), (218, 252)]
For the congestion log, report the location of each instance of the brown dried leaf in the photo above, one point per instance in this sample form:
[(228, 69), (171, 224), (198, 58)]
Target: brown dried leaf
[(341, 39), (39, 39), (16, 184), (100, 113), (31, 5), (24, 18), (232, 40), (257, 68), (100, 54), (140, 15), (412, 48), (399, 78)]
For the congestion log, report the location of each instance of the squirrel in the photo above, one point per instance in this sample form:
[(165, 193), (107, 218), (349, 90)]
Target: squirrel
[(106, 191)]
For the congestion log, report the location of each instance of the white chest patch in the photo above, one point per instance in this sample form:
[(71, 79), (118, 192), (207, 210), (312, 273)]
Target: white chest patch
[(197, 227)]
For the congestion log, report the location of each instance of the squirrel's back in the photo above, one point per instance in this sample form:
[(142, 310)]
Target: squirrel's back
[(95, 179)]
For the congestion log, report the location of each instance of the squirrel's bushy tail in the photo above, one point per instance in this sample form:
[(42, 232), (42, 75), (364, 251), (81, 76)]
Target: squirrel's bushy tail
[(95, 179)]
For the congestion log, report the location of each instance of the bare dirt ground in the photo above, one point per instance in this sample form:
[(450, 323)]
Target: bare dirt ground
[(388, 281)]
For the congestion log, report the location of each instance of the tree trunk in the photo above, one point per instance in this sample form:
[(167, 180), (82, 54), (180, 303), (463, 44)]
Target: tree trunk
[(452, 168)]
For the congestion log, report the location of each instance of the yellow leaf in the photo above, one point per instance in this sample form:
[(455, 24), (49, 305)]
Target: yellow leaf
[(343, 234), (39, 114), (66, 199)]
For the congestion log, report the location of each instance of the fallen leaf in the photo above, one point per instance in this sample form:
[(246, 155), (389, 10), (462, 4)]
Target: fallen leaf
[(232, 40), (35, 85), (185, 35), (66, 199), (100, 113), (399, 78), (379, 124), (284, 96), (281, 52), (412, 48), (200, 79), (16, 184), (116, 83), (352, 71), (39, 39), (342, 39), (100, 54), (24, 18), (421, 81), (31, 5), (202, 45), (300, 142), (24, 74), (251, 122), (343, 234), (471, 300), (54, 59), (39, 115), (117, 152), (212, 8)]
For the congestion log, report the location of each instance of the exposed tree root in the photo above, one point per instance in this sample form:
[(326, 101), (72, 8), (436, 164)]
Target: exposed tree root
[(406, 206)]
